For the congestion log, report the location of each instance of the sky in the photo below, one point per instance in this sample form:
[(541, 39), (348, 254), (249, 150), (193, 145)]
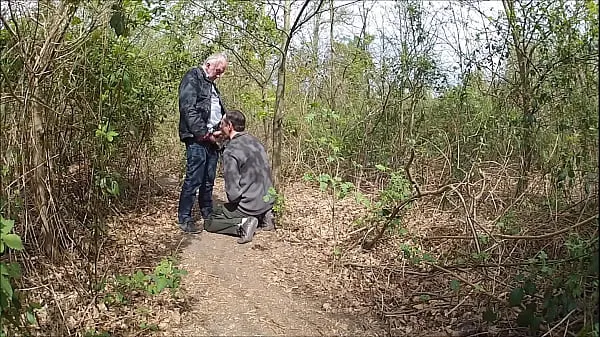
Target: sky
[(438, 17), (448, 36)]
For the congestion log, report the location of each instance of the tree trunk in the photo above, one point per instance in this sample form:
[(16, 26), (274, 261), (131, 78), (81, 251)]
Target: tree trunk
[(331, 58), (40, 163), (315, 40), (525, 95), (265, 107), (280, 97)]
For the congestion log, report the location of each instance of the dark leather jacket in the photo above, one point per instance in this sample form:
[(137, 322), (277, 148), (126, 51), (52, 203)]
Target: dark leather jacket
[(195, 91)]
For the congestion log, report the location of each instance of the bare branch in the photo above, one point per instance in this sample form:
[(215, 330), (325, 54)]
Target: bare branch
[(298, 24), (271, 45), (519, 237)]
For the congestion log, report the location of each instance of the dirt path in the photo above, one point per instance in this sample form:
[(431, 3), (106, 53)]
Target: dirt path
[(248, 290)]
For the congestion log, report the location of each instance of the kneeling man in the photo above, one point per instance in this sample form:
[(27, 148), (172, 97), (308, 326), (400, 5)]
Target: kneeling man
[(247, 176)]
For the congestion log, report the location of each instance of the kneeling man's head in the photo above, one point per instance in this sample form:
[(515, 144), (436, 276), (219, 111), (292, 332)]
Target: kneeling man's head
[(233, 121)]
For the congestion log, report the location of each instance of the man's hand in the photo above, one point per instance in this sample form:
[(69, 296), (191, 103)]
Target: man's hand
[(210, 137), (206, 138)]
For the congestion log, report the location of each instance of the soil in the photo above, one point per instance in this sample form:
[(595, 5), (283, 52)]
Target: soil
[(309, 277), (260, 288)]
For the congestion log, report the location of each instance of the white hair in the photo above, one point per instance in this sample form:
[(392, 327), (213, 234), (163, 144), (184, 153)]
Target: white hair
[(219, 57)]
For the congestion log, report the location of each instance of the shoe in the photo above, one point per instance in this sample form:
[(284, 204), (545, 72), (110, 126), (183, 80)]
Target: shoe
[(247, 229), (206, 212), (268, 221), (189, 228)]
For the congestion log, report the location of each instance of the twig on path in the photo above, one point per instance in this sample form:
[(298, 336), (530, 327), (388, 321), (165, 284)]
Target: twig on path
[(62, 315), (362, 266), (179, 244), (369, 245), (475, 286), (559, 323), (469, 221), (518, 237), (413, 312), (459, 303), (357, 231)]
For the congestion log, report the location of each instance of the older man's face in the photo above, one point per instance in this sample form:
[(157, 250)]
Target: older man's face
[(215, 69)]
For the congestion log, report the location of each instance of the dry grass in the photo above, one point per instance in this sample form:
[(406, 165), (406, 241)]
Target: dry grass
[(312, 261)]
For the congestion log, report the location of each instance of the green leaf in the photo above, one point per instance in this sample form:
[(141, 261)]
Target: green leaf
[(324, 177), (529, 287), (534, 326), (322, 185), (542, 255), (12, 270), (139, 276), (126, 81), (6, 225), (551, 312), (5, 286), (525, 318), (115, 190), (528, 318), (110, 135), (310, 117), (428, 257), (489, 315), (161, 283), (570, 303), (13, 241), (362, 199), (337, 251), (31, 318), (516, 296), (381, 167), (455, 285)]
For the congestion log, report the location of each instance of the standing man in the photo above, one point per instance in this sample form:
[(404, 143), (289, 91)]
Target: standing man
[(247, 178), (200, 110)]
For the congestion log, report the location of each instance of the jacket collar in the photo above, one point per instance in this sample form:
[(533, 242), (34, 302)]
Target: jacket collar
[(238, 134), (204, 75)]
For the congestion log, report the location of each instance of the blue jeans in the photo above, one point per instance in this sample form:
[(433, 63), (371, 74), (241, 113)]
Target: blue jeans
[(200, 173)]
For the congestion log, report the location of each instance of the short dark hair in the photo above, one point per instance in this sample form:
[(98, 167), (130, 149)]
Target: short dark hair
[(237, 119)]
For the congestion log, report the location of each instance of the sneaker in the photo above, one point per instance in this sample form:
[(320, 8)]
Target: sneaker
[(247, 229), (268, 221)]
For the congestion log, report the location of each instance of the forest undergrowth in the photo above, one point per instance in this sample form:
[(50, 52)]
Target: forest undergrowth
[(424, 276), (450, 192), (458, 262)]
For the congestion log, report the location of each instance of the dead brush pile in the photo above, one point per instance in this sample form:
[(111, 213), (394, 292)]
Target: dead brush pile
[(466, 259), (120, 280)]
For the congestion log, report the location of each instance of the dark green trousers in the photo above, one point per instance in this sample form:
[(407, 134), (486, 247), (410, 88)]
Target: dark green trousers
[(225, 219)]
